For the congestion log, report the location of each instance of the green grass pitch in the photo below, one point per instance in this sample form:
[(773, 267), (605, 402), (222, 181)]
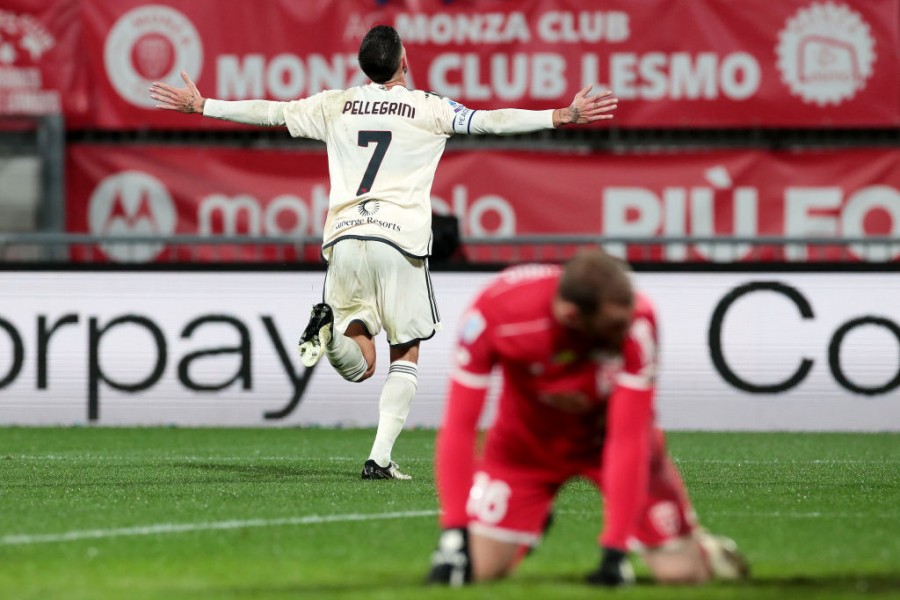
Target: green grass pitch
[(98, 514)]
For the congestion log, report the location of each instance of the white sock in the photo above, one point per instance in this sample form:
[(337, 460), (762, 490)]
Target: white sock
[(346, 357), (393, 407)]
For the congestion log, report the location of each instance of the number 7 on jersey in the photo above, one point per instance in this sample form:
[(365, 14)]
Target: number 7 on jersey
[(382, 140)]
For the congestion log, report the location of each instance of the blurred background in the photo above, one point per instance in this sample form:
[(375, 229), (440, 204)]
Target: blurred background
[(748, 122), (751, 136)]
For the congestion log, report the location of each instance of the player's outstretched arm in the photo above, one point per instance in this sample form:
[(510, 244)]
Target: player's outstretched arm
[(187, 99), (266, 113), (586, 109), (505, 121)]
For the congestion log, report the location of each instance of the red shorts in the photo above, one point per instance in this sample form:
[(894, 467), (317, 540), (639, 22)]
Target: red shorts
[(511, 503)]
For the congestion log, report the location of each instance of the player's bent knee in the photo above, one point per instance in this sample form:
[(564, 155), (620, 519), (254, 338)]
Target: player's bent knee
[(359, 378), (491, 559), (369, 372), (488, 570)]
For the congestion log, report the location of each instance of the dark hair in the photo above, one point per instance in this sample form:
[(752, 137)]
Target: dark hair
[(379, 53), (592, 278)]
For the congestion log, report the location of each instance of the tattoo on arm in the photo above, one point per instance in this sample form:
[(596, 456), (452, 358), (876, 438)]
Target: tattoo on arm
[(193, 103), (576, 114)]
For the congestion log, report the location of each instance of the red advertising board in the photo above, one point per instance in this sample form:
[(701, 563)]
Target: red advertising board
[(211, 191), (672, 63), (40, 73)]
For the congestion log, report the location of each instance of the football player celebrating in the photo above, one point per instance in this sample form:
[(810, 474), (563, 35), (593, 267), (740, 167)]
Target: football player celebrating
[(576, 348), (384, 142)]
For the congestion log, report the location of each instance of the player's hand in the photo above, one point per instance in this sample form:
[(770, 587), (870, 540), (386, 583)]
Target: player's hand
[(186, 99), (450, 564), (614, 570), (586, 109)]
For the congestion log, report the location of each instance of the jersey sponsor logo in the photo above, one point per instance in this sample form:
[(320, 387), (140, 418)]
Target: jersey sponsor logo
[(825, 53), (346, 223), (132, 203), (564, 357), (367, 208), (383, 224), (147, 44)]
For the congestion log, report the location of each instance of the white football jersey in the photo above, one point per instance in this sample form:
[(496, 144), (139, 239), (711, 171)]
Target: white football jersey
[(383, 147)]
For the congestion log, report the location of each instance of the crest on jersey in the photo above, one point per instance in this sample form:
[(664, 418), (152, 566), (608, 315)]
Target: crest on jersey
[(473, 325), (564, 357), (456, 106)]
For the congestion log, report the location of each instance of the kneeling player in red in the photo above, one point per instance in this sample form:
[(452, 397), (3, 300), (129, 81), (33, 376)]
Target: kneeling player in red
[(577, 351)]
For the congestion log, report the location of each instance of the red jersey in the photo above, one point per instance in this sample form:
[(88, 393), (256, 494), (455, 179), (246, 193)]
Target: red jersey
[(564, 402)]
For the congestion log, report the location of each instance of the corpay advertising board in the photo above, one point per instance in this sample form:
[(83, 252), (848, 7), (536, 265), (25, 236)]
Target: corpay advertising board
[(739, 351)]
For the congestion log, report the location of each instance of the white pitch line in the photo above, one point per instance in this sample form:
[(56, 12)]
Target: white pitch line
[(790, 461), (765, 515), (802, 515), (217, 459), (166, 528), (180, 457)]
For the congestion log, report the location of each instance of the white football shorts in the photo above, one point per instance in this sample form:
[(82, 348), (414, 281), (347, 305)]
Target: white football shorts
[(373, 282)]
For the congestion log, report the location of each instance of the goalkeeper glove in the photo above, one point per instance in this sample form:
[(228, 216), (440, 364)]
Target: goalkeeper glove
[(614, 570), (450, 563)]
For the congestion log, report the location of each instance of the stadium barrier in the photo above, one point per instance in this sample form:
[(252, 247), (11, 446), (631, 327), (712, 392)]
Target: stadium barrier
[(88, 248), (781, 348)]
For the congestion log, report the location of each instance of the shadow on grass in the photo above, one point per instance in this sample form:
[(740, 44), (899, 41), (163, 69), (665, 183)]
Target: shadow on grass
[(328, 472), (256, 473), (313, 590), (856, 584), (205, 472)]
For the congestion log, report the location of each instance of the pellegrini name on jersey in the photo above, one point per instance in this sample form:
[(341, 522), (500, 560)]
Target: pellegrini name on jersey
[(360, 107)]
